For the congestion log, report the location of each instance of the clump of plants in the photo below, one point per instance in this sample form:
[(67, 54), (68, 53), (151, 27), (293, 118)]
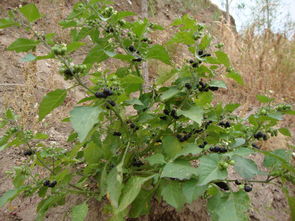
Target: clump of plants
[(176, 148)]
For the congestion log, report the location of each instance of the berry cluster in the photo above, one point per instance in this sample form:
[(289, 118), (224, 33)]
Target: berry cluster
[(49, 184), (59, 50), (133, 126), (117, 134), (104, 94), (137, 163), (203, 87), (203, 144), (217, 149), (183, 138), (224, 124), (172, 114), (260, 135)]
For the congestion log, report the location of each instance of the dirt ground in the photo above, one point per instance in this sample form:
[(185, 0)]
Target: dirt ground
[(23, 85)]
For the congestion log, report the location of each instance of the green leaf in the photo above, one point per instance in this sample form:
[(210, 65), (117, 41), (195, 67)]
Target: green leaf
[(246, 168), (165, 76), (31, 12), (192, 190), (156, 159), (7, 22), (171, 146), (285, 132), (130, 191), (83, 119), (231, 107), (96, 55), (209, 169), (264, 99), (51, 101), (40, 136), (291, 202), (216, 83), (189, 149), (158, 52), (74, 46), (92, 153), (8, 196), (195, 113), (134, 101), (223, 58), (229, 206), (141, 205), (205, 42), (171, 92), (132, 83), (235, 76), (114, 187), (277, 158), (23, 45), (79, 212), (9, 114), (179, 169), (173, 195)]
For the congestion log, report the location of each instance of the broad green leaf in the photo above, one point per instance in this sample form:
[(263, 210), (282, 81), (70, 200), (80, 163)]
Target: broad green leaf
[(132, 83), (79, 212), (19, 178), (195, 113), (205, 42), (130, 191), (23, 45), (192, 191), (141, 205), (173, 195), (92, 153), (264, 99), (171, 92), (189, 149), (74, 46), (83, 119), (140, 27), (8, 196), (171, 146), (235, 76), (96, 55), (40, 136), (238, 142), (223, 58), (51, 101), (231, 107), (186, 22), (156, 159), (246, 168), (179, 169), (158, 52), (31, 12), (285, 132), (183, 37), (209, 169), (134, 102), (165, 76), (272, 159), (7, 22), (216, 83), (231, 206), (114, 187), (9, 114)]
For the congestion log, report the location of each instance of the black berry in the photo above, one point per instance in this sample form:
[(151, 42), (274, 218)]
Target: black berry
[(131, 48), (195, 64), (107, 92), (100, 95), (159, 141), (247, 188), (118, 134), (111, 102), (213, 88), (163, 117), (259, 135), (137, 163), (188, 86), (255, 146), (174, 115), (52, 184), (28, 153), (205, 55), (203, 145), (200, 52), (46, 183), (237, 182), (167, 112), (132, 125), (191, 61), (222, 185), (137, 59)]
